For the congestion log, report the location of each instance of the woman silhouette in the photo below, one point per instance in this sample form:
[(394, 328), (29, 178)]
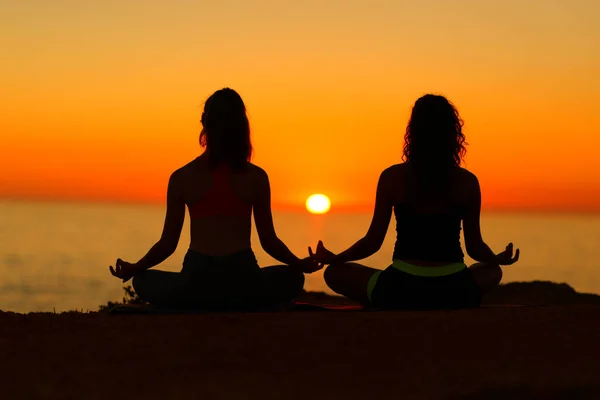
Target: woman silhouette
[(221, 189), (431, 195)]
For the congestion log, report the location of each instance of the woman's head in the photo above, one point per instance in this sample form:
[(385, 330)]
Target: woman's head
[(434, 135), (225, 129)]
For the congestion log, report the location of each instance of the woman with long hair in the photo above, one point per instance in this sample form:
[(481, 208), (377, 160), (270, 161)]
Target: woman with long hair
[(221, 189), (431, 196)]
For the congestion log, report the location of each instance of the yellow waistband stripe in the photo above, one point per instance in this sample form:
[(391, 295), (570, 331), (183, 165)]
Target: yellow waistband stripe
[(428, 271)]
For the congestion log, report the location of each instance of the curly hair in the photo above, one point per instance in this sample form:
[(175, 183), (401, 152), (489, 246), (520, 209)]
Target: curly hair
[(226, 130), (434, 137)]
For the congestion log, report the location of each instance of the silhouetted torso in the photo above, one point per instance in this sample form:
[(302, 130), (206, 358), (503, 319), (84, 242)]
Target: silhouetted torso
[(220, 206), (428, 223), (424, 236)]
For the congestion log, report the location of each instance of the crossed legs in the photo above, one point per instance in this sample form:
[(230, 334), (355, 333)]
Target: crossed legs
[(352, 279), (275, 285)]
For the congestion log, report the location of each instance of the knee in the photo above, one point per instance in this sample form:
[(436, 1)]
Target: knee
[(139, 284), (487, 273), (496, 274), (297, 282), (330, 275)]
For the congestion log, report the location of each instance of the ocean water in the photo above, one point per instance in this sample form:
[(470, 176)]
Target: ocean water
[(55, 256)]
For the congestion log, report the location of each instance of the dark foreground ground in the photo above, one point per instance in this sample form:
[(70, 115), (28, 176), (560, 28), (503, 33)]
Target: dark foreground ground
[(550, 352)]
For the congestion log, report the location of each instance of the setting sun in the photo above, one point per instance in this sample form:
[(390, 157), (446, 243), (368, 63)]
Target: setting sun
[(318, 204)]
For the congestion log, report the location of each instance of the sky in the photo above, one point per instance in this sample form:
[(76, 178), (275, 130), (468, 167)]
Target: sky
[(101, 100)]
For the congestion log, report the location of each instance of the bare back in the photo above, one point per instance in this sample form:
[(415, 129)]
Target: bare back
[(218, 233)]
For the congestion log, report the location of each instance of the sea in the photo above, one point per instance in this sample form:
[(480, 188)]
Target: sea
[(55, 256)]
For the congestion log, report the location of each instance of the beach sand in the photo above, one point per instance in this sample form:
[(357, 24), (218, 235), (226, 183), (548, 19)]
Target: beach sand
[(490, 353)]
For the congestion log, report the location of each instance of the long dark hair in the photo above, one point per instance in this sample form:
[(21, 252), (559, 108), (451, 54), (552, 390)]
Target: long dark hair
[(434, 143), (226, 130)]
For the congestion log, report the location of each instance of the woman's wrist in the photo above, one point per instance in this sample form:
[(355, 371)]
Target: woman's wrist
[(336, 259), (294, 260), (139, 266), (496, 260)]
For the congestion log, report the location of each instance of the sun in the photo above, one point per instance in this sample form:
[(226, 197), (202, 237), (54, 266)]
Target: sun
[(318, 203)]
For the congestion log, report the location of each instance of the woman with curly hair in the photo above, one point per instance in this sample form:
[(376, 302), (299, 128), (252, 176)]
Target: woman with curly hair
[(431, 196)]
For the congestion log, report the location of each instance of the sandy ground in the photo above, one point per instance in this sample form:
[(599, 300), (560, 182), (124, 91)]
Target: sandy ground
[(490, 353)]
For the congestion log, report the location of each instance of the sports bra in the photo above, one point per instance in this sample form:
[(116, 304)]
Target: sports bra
[(428, 236), (220, 200)]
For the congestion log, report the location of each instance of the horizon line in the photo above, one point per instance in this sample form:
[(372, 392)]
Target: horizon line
[(290, 207)]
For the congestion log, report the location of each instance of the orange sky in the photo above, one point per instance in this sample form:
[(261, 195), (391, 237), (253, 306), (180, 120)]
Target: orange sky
[(101, 100)]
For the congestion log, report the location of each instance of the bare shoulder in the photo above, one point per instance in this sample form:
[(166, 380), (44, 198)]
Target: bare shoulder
[(176, 184), (467, 176), (258, 182), (183, 172), (393, 173), (468, 181), (394, 170), (178, 175), (257, 173)]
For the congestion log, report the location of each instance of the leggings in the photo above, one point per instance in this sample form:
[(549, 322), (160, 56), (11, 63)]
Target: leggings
[(233, 281), (406, 286)]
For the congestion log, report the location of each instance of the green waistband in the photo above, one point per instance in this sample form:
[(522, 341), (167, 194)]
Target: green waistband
[(417, 270)]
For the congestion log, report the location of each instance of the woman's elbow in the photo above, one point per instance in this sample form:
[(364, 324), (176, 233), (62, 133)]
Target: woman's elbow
[(474, 250), (372, 243), (471, 252), (168, 247), (472, 255), (268, 243)]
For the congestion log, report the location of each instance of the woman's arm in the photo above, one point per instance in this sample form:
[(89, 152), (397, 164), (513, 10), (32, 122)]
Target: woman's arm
[(373, 240), (167, 244), (476, 248), (263, 219)]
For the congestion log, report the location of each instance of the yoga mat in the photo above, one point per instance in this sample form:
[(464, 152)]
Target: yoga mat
[(299, 306)]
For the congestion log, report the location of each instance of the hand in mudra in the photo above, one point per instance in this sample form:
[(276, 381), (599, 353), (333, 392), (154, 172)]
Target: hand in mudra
[(308, 265), (322, 254), (507, 257), (123, 270)]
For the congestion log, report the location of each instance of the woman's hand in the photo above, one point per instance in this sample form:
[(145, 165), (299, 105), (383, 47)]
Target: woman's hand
[(308, 265), (123, 270), (322, 255), (506, 257)]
